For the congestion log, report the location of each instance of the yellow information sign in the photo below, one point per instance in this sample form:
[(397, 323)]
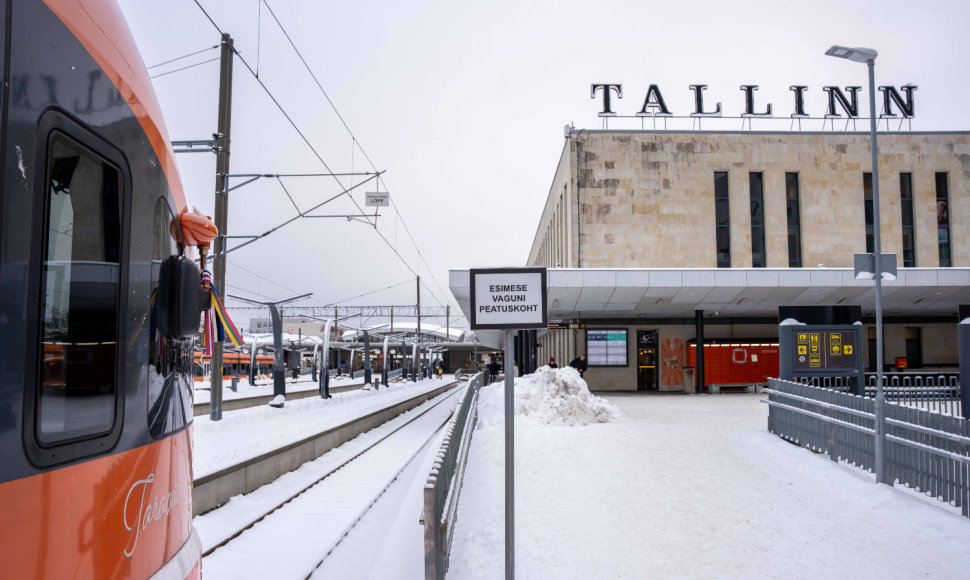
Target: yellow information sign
[(824, 350)]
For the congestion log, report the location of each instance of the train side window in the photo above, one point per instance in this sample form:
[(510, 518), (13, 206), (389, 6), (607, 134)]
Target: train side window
[(80, 294), (170, 372)]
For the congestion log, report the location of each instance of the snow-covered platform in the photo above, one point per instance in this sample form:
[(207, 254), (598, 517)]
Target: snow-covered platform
[(686, 486)]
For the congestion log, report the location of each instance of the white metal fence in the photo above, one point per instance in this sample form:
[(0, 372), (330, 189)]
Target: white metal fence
[(444, 483), (924, 450)]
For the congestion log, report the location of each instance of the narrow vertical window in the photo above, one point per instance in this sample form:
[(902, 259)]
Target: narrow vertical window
[(722, 217), (758, 258), (909, 229), (943, 218), (794, 221), (80, 295), (867, 196)]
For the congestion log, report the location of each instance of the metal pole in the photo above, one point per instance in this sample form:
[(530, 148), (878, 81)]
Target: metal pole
[(221, 211), (531, 357), (509, 457), (253, 367), (417, 358), (367, 376), (419, 307), (324, 385), (315, 361), (279, 379), (384, 362), (414, 362), (877, 248)]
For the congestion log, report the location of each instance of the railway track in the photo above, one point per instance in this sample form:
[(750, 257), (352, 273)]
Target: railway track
[(214, 489), (294, 524)]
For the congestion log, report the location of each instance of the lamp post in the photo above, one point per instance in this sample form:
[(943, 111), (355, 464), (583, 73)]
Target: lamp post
[(868, 56)]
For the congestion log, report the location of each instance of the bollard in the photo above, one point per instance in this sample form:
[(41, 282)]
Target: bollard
[(235, 384)]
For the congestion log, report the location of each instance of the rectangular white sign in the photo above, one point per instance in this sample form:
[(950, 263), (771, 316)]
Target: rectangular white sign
[(508, 298)]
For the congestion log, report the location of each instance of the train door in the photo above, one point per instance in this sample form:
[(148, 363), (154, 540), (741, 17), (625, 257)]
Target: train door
[(647, 360)]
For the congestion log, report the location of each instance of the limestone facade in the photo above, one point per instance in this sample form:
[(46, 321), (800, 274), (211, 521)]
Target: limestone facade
[(645, 199)]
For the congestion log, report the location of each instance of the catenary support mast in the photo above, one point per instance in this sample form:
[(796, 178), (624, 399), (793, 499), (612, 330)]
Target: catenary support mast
[(222, 211)]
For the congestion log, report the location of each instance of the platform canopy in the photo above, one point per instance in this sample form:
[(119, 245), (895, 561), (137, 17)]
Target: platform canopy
[(625, 293)]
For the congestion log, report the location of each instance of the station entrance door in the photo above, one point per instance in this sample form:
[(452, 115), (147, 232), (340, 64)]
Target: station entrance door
[(647, 360)]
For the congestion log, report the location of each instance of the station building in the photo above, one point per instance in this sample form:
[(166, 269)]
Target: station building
[(658, 240)]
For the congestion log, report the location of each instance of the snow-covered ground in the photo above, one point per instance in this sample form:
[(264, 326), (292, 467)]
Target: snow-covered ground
[(248, 433), (682, 486)]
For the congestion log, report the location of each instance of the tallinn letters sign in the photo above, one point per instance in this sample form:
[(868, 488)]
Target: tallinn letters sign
[(508, 298), (655, 106)]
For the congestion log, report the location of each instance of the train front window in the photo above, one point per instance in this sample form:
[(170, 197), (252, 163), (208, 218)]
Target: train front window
[(79, 332)]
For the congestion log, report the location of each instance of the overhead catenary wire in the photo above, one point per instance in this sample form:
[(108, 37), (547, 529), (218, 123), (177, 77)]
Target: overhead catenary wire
[(356, 143), (159, 75), (369, 293), (259, 31), (317, 154), (263, 278), (292, 123), (306, 141), (182, 57), (247, 291)]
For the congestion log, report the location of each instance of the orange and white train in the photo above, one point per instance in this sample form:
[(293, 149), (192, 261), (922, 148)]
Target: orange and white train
[(98, 304), (235, 365)]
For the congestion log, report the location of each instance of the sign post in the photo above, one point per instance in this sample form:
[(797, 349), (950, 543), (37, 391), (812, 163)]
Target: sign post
[(509, 299)]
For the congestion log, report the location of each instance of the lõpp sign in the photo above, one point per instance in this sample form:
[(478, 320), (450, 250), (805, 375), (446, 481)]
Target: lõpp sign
[(508, 298)]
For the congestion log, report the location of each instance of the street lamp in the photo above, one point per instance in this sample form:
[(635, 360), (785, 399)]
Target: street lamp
[(868, 56)]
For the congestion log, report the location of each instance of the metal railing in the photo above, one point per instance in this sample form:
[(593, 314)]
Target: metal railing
[(938, 392), (926, 451), (444, 483)]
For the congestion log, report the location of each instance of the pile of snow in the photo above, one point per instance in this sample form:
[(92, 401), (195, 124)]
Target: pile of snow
[(561, 397)]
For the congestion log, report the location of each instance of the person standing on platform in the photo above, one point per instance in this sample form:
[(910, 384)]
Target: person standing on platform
[(552, 363), (579, 363)]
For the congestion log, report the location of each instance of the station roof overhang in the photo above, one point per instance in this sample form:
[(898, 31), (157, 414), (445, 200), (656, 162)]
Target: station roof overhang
[(586, 294)]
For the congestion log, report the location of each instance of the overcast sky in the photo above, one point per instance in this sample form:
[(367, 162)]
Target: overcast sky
[(463, 105)]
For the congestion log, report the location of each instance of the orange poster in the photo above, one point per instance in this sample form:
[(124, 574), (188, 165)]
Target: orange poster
[(672, 362)]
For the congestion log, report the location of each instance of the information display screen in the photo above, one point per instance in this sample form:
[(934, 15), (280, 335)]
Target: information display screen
[(606, 347), (825, 350)]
